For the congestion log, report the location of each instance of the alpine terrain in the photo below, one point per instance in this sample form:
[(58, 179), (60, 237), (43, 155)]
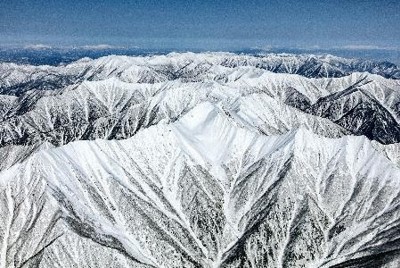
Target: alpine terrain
[(200, 160)]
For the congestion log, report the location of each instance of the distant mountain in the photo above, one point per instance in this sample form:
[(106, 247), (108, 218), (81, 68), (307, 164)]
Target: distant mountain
[(16, 79), (200, 160)]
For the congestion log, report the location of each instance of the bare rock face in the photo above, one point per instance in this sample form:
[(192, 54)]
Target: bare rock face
[(200, 160)]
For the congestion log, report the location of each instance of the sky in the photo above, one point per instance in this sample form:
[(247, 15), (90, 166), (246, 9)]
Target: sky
[(208, 24)]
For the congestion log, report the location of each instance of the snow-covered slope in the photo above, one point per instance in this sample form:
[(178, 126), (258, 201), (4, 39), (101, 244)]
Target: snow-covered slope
[(206, 192), (200, 160), (360, 104), (113, 110)]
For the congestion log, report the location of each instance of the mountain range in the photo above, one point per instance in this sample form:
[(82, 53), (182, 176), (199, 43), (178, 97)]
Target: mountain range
[(200, 160)]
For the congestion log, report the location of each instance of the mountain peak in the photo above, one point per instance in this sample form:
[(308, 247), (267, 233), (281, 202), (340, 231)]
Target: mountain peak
[(200, 160)]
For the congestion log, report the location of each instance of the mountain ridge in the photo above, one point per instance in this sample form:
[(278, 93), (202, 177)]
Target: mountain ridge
[(199, 160), (297, 140)]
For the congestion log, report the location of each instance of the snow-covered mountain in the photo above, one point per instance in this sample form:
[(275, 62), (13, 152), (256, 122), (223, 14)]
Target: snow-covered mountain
[(200, 160), (16, 79)]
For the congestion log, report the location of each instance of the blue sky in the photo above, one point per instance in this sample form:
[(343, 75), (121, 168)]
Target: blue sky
[(204, 24)]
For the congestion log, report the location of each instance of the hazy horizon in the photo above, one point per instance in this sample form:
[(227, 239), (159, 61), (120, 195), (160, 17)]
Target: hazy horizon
[(212, 25)]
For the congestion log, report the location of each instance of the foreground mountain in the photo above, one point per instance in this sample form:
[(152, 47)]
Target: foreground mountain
[(204, 192), (224, 164)]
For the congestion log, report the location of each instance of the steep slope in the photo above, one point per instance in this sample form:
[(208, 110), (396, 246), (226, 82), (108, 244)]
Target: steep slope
[(362, 104), (205, 191), (200, 160), (114, 109), (111, 109), (358, 111)]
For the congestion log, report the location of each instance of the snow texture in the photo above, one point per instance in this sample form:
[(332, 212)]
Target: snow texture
[(200, 160)]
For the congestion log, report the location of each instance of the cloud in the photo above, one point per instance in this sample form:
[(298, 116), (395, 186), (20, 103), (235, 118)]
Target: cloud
[(366, 47), (99, 47), (37, 46), (40, 46)]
